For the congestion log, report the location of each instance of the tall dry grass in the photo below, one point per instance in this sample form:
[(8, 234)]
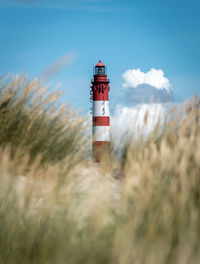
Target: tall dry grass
[(32, 120), (52, 214)]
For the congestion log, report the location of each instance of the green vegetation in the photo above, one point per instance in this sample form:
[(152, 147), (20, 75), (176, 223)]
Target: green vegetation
[(56, 206)]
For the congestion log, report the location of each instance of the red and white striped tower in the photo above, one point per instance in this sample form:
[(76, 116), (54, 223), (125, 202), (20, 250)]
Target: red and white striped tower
[(100, 111)]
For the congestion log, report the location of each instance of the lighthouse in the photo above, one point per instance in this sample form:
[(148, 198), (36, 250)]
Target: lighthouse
[(100, 112)]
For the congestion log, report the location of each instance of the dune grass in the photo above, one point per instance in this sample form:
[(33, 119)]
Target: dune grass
[(56, 206), (31, 119)]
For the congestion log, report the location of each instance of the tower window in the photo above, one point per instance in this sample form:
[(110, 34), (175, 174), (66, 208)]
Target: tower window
[(100, 70)]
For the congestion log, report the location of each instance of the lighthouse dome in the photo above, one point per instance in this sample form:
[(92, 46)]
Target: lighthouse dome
[(100, 69), (100, 64)]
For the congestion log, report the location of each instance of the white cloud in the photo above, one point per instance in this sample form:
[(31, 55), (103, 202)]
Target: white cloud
[(155, 78), (135, 121)]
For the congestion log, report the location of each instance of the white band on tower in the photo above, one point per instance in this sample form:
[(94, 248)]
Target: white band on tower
[(101, 133), (101, 108)]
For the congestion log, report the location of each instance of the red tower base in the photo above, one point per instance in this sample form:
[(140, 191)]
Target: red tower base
[(100, 150)]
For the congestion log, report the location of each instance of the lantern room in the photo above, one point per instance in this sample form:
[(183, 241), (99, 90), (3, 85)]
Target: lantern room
[(100, 69)]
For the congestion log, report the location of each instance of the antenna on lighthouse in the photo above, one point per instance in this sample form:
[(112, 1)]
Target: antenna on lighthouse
[(100, 111)]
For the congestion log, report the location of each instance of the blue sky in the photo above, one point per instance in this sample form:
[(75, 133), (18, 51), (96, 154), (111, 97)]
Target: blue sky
[(125, 34)]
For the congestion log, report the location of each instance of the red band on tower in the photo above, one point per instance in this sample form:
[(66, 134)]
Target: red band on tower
[(101, 121)]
